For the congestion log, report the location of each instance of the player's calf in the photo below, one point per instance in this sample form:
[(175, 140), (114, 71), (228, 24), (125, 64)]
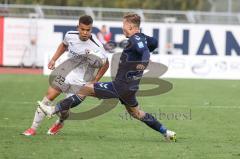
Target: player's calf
[(152, 122), (38, 117), (63, 105), (68, 103)]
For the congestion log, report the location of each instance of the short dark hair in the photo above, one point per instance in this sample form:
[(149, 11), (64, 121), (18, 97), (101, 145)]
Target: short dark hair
[(133, 18), (86, 19)]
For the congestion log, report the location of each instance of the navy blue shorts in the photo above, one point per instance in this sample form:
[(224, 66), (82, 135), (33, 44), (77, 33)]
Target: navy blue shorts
[(106, 90)]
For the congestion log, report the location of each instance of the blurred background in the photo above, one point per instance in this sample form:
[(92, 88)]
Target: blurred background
[(197, 37), (184, 5)]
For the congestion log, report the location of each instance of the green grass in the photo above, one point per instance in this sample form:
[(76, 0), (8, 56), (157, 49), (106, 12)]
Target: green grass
[(209, 132)]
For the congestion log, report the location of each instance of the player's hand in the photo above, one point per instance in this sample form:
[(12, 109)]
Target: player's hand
[(51, 65)]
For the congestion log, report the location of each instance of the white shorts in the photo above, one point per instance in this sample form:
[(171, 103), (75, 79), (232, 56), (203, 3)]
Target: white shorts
[(71, 82), (74, 82)]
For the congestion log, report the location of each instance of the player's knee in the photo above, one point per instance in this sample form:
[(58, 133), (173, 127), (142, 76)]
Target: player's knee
[(87, 90), (52, 93), (89, 86), (136, 113)]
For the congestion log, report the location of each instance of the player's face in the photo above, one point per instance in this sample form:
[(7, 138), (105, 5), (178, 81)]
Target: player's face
[(84, 31), (126, 28)]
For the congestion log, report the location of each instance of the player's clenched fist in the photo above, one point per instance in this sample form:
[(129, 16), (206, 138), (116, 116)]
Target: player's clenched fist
[(51, 65)]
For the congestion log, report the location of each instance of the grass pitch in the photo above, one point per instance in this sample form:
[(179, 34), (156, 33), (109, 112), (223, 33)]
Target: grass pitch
[(204, 113)]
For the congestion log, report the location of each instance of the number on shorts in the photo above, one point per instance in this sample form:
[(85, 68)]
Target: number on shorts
[(59, 79)]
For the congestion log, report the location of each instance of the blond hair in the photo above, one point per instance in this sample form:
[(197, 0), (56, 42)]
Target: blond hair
[(133, 18)]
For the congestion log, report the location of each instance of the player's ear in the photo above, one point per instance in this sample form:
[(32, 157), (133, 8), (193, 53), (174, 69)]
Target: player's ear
[(77, 27)]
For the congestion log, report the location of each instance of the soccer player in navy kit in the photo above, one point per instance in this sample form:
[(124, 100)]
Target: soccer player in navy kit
[(133, 61)]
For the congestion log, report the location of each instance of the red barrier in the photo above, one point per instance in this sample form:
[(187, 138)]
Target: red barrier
[(1, 39)]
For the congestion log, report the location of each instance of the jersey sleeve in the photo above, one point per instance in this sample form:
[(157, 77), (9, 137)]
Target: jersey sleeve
[(152, 43), (66, 39), (97, 41), (103, 52), (138, 45), (100, 48)]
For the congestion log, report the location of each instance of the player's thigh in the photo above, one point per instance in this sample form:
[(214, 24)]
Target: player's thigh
[(104, 90), (76, 85), (52, 93)]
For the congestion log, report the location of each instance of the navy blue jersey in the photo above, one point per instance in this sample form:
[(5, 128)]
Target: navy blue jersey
[(133, 61)]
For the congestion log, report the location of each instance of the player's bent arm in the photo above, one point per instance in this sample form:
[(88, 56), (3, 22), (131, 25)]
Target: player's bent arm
[(152, 43), (60, 50), (101, 71), (88, 89)]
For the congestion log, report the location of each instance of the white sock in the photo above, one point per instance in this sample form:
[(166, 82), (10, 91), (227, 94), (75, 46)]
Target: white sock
[(46, 101), (39, 115)]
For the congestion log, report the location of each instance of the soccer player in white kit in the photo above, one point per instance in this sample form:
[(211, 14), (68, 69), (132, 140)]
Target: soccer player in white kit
[(78, 44)]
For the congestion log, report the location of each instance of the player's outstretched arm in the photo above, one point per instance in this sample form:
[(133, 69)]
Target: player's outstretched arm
[(60, 50)]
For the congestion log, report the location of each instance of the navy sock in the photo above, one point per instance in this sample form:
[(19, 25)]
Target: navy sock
[(153, 123), (68, 103)]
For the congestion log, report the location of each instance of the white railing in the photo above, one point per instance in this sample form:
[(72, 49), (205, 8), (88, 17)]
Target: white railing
[(115, 14)]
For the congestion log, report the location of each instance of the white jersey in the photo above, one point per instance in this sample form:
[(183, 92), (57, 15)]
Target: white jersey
[(77, 48)]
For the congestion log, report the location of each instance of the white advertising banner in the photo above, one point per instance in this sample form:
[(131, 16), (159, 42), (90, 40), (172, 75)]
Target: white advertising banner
[(201, 67), (189, 50), (16, 41)]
